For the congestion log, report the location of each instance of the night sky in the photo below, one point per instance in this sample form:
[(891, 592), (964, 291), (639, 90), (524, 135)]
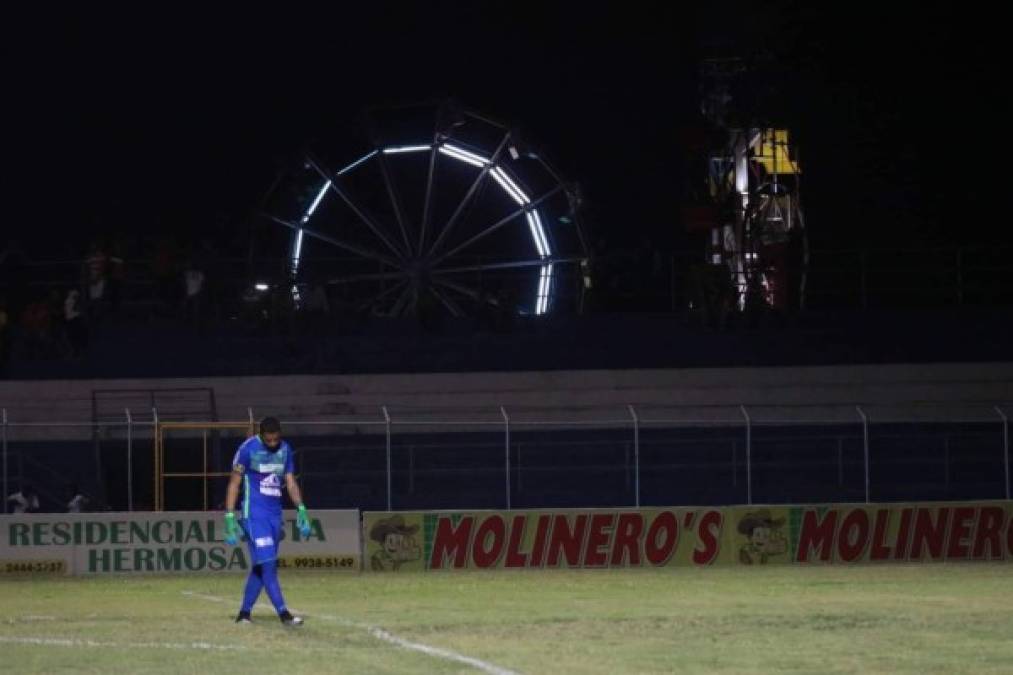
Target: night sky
[(148, 121)]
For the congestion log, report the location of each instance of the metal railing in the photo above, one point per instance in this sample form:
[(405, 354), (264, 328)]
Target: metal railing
[(496, 457)]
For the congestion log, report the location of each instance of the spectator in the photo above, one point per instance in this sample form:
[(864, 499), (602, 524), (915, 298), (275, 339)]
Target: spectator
[(73, 317), (24, 501), (193, 293), (77, 502), (96, 272), (115, 278)]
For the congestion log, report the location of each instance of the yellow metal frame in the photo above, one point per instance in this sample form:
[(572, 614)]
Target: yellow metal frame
[(159, 455)]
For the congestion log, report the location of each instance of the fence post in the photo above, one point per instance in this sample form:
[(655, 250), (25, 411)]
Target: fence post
[(130, 461), (506, 454), (4, 430), (386, 417), (636, 454), (749, 454), (1006, 447), (865, 443), (157, 452)]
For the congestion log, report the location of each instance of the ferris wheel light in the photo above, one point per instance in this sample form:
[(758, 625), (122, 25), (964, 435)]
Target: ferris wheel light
[(503, 179), (316, 202), (541, 234), (357, 162), (400, 149), (461, 152), (533, 226), (297, 253), (509, 187), (461, 158)]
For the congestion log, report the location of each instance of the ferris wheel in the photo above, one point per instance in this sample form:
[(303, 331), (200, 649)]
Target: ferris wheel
[(440, 209)]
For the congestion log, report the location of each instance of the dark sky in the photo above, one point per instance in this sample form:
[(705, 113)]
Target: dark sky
[(149, 119)]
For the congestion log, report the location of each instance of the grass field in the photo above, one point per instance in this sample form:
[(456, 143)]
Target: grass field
[(908, 619)]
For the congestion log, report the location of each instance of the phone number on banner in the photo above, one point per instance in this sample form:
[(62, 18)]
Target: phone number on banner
[(33, 567), (315, 562)]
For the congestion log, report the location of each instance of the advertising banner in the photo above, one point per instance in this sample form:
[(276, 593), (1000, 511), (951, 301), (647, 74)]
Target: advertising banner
[(659, 537), (164, 543)]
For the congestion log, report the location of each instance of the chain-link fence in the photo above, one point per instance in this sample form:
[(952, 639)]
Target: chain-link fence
[(397, 458)]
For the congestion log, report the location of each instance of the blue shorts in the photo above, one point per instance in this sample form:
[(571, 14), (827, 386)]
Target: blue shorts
[(262, 537)]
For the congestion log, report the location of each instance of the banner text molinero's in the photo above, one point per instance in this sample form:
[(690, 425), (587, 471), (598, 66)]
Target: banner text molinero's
[(688, 536)]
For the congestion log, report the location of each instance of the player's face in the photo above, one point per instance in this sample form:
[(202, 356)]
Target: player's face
[(272, 439)]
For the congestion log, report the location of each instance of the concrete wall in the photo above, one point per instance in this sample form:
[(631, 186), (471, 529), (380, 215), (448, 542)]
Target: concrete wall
[(826, 392)]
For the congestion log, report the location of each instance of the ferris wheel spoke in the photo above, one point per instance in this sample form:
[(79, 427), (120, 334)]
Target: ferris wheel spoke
[(492, 266), (497, 225), (332, 181), (334, 241), (402, 301), (451, 306), (381, 295), (395, 201), (430, 186), (375, 276), (469, 195), (468, 291)]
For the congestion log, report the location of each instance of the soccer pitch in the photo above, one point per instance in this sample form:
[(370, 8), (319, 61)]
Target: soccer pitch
[(943, 618)]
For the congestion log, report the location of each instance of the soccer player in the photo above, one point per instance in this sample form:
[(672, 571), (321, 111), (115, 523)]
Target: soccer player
[(260, 464)]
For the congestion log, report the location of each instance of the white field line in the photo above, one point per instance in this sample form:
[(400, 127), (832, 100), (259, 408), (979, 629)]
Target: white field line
[(390, 638), (73, 642)]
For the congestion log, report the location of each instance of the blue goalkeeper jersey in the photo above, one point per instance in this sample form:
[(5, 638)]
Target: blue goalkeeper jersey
[(263, 477)]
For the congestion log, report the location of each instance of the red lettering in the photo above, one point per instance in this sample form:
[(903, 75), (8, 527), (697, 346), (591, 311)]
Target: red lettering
[(990, 520), (854, 535), (959, 529), (816, 535), (541, 534), (514, 556), (903, 535), (566, 540), (928, 534), (627, 540), (493, 528), (879, 549), (598, 536), (451, 541), (658, 553), (709, 535)]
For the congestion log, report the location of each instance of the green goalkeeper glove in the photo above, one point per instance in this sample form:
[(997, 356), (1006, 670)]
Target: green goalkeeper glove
[(231, 532), (302, 521)]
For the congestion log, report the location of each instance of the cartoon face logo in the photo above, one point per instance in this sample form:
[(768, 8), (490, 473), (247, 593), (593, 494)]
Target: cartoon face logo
[(396, 543), (764, 537)]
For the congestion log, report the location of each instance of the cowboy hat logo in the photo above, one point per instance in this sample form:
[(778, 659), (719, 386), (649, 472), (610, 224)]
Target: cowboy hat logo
[(764, 537), (395, 544)]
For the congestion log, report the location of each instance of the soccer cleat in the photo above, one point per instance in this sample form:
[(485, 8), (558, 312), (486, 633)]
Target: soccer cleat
[(288, 620), (243, 617)]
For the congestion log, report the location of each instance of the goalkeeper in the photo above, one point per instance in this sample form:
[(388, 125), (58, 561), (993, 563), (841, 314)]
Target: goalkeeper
[(259, 465)]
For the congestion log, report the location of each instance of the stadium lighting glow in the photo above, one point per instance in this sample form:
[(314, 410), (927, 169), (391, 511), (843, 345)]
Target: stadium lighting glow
[(461, 158), (544, 288), (261, 287), (401, 149), (357, 162), (461, 152), (316, 202)]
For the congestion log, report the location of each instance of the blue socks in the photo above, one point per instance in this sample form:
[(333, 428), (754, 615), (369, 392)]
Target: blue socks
[(262, 576)]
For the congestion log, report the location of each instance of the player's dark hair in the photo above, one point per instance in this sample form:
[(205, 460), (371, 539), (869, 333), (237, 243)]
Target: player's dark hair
[(270, 425)]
